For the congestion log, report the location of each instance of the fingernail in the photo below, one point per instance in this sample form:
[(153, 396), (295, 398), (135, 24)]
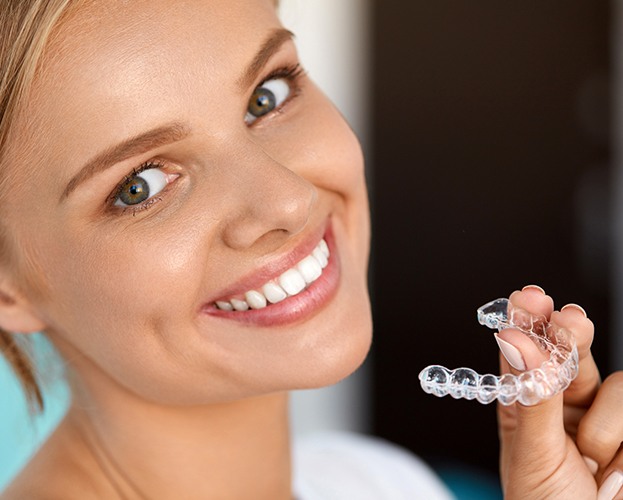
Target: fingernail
[(576, 307), (533, 287), (591, 464), (611, 486), (511, 353)]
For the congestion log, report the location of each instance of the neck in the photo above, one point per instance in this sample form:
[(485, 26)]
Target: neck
[(231, 450)]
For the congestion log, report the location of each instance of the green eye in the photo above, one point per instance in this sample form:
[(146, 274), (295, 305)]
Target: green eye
[(141, 187), (266, 98), (133, 192)]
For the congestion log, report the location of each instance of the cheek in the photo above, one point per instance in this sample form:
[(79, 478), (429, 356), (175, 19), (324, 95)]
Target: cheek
[(331, 155), (317, 144), (126, 305), (337, 165), (115, 280)]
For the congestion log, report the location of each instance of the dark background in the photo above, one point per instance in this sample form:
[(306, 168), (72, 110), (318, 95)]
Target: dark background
[(490, 172)]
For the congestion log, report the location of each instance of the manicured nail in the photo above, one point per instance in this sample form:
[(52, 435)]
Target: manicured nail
[(611, 486), (576, 307), (533, 287), (591, 464), (511, 353)]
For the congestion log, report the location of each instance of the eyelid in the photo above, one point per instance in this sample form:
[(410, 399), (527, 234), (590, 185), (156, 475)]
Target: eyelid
[(289, 71)]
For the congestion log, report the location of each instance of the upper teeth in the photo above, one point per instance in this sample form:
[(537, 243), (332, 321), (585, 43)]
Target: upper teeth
[(289, 283)]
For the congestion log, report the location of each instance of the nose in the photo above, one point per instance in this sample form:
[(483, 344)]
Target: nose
[(272, 203)]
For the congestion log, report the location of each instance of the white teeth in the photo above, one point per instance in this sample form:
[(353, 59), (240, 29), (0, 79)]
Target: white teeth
[(320, 257), (255, 299), (324, 247), (274, 293), (239, 305), (292, 281), (310, 269)]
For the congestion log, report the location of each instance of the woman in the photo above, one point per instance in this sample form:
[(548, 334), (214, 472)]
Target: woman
[(184, 214)]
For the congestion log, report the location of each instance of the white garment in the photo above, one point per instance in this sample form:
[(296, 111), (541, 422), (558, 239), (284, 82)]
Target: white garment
[(342, 466)]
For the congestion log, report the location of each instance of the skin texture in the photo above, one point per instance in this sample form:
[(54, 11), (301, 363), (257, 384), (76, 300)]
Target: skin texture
[(121, 294)]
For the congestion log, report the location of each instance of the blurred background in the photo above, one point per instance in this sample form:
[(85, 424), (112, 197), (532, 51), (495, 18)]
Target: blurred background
[(488, 131)]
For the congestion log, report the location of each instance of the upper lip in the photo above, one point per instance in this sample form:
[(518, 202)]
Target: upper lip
[(274, 268)]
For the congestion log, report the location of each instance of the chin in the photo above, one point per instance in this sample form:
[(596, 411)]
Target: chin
[(334, 362)]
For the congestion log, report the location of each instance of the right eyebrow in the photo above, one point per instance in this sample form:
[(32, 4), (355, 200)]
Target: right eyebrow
[(133, 146), (267, 50)]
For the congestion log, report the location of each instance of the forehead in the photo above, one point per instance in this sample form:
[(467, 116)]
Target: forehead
[(118, 66)]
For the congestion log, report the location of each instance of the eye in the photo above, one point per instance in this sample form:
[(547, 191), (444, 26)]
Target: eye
[(140, 187), (267, 97)]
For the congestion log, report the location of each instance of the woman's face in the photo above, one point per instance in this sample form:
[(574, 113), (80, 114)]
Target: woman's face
[(173, 156)]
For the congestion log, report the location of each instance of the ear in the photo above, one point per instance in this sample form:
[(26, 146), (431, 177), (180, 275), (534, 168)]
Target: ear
[(17, 314)]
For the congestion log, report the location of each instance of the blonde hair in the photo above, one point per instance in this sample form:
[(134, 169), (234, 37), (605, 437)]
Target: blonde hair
[(25, 29)]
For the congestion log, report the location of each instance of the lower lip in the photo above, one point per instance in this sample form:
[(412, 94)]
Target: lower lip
[(296, 308)]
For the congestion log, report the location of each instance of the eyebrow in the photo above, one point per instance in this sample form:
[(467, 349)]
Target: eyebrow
[(272, 45), (139, 144)]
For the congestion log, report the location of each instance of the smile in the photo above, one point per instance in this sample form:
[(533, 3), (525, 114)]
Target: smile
[(289, 284)]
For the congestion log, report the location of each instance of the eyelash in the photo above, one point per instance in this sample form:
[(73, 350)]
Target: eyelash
[(292, 73)]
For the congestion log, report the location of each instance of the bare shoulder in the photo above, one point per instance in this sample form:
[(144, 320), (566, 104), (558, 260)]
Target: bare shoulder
[(62, 469)]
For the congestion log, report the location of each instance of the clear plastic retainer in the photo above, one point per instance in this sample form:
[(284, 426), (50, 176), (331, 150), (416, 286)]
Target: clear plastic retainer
[(528, 388)]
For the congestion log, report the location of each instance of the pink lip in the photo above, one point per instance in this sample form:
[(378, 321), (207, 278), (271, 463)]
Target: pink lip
[(291, 309)]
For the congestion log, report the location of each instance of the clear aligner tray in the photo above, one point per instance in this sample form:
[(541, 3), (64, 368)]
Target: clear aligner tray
[(528, 388)]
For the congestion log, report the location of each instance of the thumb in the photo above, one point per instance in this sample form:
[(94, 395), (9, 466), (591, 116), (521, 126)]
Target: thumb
[(531, 436)]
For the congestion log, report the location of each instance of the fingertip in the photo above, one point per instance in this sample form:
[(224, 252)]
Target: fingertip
[(576, 309), (533, 300), (534, 287)]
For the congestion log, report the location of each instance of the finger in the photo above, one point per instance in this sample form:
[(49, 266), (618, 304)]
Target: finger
[(574, 319), (583, 389), (529, 435), (533, 438), (600, 431), (612, 486), (519, 350), (534, 300)]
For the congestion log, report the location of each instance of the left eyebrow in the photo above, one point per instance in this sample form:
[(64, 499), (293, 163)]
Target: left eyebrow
[(272, 45)]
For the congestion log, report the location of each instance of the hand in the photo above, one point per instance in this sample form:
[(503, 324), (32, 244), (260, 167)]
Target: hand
[(566, 447)]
